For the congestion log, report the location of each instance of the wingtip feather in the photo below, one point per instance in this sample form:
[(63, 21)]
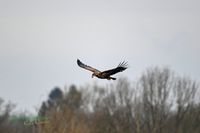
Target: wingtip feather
[(123, 65)]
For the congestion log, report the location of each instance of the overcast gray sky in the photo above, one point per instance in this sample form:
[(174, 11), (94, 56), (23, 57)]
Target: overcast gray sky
[(40, 41)]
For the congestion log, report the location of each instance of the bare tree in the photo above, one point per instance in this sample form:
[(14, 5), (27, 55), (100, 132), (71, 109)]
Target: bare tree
[(185, 94), (156, 85), (165, 102)]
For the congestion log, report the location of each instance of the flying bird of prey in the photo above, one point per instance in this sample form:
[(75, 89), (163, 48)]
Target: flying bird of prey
[(104, 74)]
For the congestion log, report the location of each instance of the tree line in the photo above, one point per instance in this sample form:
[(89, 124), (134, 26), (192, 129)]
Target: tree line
[(160, 101)]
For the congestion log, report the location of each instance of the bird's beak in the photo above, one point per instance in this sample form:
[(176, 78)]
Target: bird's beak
[(92, 75)]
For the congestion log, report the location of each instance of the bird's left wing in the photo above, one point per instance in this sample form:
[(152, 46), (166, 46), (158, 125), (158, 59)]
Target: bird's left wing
[(86, 66), (121, 67)]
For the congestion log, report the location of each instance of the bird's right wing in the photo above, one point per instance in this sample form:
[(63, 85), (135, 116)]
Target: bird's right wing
[(86, 66), (121, 67)]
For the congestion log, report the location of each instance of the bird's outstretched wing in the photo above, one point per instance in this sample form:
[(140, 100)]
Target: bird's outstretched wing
[(86, 66), (121, 67)]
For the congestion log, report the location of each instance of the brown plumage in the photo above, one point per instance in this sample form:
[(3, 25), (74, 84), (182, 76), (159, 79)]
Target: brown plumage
[(104, 74)]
